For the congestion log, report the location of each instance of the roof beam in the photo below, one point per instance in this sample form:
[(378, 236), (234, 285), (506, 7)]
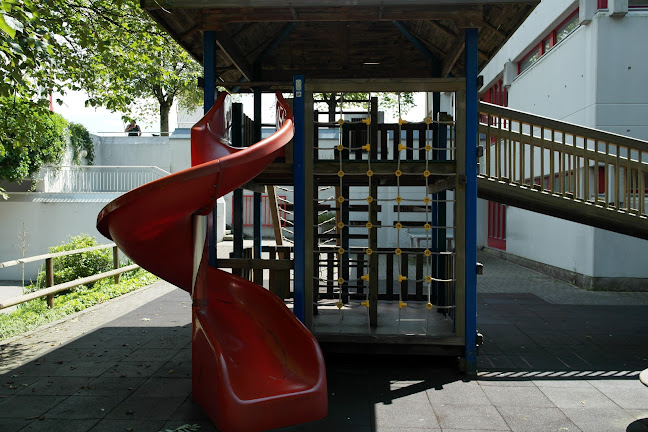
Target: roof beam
[(462, 15), (234, 54), (451, 58), (418, 44)]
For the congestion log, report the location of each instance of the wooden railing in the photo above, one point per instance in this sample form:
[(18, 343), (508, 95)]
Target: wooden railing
[(573, 162), (49, 274)]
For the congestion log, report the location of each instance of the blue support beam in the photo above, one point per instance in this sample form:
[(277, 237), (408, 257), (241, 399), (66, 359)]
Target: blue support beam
[(471, 199), (209, 97), (299, 177)]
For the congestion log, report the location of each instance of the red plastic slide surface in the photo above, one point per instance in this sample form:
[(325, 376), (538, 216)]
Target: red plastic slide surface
[(254, 365)]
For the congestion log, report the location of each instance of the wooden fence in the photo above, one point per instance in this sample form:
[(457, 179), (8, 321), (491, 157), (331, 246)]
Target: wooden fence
[(49, 274)]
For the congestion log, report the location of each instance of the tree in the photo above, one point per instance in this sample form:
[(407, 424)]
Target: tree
[(389, 101), (109, 48), (125, 58), (23, 150)]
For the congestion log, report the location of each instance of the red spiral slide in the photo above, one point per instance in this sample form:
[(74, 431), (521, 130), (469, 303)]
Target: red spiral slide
[(254, 365)]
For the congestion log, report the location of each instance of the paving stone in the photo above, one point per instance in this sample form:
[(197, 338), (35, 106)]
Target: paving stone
[(165, 387), (50, 425), (56, 385), (146, 408), (133, 369), (599, 419), (130, 425), (13, 425), (111, 386), (470, 417), (517, 396), (30, 406), (84, 407), (189, 410), (531, 419), (11, 384), (457, 393), (577, 397), (413, 410)]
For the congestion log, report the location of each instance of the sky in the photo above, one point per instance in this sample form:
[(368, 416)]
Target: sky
[(100, 121)]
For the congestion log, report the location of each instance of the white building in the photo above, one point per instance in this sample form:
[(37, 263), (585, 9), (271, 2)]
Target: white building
[(583, 62)]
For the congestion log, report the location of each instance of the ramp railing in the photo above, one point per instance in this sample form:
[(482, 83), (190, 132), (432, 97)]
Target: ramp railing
[(567, 161)]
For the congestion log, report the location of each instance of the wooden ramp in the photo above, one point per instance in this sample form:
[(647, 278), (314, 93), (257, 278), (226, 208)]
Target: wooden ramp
[(563, 170)]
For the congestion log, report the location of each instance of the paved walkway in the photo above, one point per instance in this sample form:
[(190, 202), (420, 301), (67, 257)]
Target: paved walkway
[(554, 358)]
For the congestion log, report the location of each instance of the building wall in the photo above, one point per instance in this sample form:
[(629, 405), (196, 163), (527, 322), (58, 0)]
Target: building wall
[(172, 154), (622, 64), (595, 77), (49, 220)]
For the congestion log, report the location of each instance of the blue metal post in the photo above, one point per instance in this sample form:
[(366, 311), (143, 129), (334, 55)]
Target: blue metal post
[(471, 199), (299, 177), (209, 97)]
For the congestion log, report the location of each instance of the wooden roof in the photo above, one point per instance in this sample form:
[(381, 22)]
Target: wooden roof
[(273, 40)]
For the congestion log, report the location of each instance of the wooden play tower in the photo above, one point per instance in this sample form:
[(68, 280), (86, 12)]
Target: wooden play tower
[(353, 288)]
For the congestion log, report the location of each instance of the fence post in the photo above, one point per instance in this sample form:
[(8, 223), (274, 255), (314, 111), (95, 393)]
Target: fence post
[(116, 263), (49, 280)]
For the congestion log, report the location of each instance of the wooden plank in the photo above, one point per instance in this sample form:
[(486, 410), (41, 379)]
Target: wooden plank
[(237, 4), (544, 202), (234, 54), (274, 213), (54, 255), (455, 52), (566, 127), (387, 85), (255, 264)]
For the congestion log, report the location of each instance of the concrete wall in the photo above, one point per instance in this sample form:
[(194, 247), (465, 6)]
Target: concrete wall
[(595, 77), (172, 154), (49, 220), (622, 85)]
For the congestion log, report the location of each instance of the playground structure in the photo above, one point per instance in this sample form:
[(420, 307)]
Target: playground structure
[(357, 287)]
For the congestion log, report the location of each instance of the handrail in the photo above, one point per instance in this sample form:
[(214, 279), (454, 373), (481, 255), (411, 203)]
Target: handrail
[(49, 274), (575, 163), (50, 291), (53, 255)]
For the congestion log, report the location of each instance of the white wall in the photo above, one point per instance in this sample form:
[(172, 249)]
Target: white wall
[(550, 240), (172, 153), (622, 85), (595, 77), (50, 219), (559, 85)]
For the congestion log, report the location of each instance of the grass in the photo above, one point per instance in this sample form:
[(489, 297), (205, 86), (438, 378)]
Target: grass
[(35, 313)]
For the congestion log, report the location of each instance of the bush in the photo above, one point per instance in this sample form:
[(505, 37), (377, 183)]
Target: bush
[(31, 136), (70, 267)]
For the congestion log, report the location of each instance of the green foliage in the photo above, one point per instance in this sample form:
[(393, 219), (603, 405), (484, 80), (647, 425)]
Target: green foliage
[(399, 103), (110, 48), (35, 313), (30, 137), (71, 267), (80, 141)]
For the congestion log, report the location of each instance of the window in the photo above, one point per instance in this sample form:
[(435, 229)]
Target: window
[(550, 40), (567, 27)]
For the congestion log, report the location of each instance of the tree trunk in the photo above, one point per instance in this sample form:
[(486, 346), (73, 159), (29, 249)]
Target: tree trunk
[(331, 101), (164, 119)]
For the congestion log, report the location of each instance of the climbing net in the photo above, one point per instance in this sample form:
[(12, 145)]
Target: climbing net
[(431, 282)]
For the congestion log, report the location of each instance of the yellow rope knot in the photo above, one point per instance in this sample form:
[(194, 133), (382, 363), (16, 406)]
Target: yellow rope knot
[(401, 304), (365, 277), (369, 225), (370, 173), (429, 306), (365, 303), (368, 251), (339, 305), (398, 251), (402, 278)]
